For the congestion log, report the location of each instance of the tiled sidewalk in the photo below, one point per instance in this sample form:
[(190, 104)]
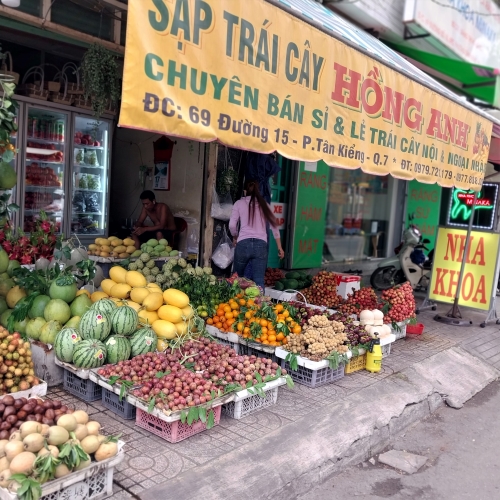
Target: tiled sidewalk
[(150, 460)]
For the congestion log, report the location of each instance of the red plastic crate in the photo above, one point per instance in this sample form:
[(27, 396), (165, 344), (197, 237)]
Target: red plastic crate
[(417, 329), (173, 432)]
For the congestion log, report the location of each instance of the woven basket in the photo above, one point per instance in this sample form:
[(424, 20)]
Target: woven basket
[(74, 88), (34, 90), (62, 97), (7, 69)]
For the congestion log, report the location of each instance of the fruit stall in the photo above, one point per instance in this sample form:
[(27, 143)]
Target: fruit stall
[(165, 344)]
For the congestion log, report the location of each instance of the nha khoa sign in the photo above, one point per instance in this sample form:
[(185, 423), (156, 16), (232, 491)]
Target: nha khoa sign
[(254, 77), (479, 279)]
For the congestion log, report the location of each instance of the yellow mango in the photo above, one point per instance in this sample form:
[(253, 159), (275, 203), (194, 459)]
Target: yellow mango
[(135, 279), (153, 301), (104, 254), (124, 255), (120, 248), (164, 329), (105, 248), (104, 241), (129, 242), (98, 296), (116, 242), (120, 291), (130, 249), (170, 313), (139, 294), (93, 247), (118, 274)]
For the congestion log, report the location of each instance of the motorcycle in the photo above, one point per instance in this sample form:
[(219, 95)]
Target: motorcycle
[(409, 264)]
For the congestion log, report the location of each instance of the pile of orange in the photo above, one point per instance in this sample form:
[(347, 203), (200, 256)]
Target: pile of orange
[(266, 324)]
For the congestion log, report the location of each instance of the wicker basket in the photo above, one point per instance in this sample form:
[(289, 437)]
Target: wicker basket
[(62, 97), (7, 69), (74, 88), (34, 90)]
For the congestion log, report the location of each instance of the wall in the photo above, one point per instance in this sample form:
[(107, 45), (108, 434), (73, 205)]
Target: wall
[(134, 148)]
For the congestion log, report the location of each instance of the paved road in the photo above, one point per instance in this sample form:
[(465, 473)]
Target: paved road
[(462, 447)]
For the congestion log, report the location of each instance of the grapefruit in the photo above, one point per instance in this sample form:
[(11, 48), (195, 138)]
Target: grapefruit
[(13, 265), (38, 306), (49, 331), (4, 260), (80, 305), (34, 328), (63, 292), (57, 310)]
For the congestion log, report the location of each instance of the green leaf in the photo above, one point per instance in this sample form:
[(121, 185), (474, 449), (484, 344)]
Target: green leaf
[(210, 419), (151, 405), (123, 391), (258, 376), (8, 156), (193, 415), (112, 380), (184, 415), (289, 382), (202, 413)]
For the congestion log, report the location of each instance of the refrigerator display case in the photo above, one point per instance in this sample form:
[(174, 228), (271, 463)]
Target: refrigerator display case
[(89, 177), (63, 168)]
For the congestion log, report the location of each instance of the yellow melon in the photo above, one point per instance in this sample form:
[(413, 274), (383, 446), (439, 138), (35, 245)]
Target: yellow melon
[(106, 285), (119, 302), (170, 313), (181, 328), (118, 274), (139, 294), (120, 291), (153, 301), (164, 329), (162, 345), (98, 296), (148, 317), (153, 287), (135, 279), (134, 305), (176, 298), (188, 312), (83, 292)]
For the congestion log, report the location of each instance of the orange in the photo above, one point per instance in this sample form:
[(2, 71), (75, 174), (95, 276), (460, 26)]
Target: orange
[(239, 296), (240, 326), (278, 307), (228, 314), (286, 313), (246, 329), (258, 340), (218, 325), (250, 302), (265, 341), (281, 317), (230, 321), (227, 308), (297, 329), (210, 321), (234, 305), (216, 318), (284, 341), (220, 312), (263, 322), (264, 330), (248, 314), (242, 302), (289, 319), (246, 335), (271, 338), (280, 336)]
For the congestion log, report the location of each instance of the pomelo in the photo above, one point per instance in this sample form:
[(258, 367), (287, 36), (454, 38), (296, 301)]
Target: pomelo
[(14, 295), (4, 260), (34, 328), (4, 317), (49, 331), (73, 322), (20, 326), (80, 305), (8, 176), (3, 305), (38, 306), (5, 286), (57, 310), (13, 265), (63, 292)]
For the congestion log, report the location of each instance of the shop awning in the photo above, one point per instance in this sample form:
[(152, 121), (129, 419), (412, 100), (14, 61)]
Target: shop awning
[(292, 76), (467, 78)]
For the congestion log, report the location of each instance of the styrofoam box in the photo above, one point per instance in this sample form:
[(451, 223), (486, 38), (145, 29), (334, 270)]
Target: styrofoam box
[(79, 372), (37, 390), (306, 363), (286, 296), (93, 483), (97, 379), (345, 284), (229, 336), (46, 368)]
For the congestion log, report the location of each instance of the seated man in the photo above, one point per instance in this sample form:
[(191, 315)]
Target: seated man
[(161, 217)]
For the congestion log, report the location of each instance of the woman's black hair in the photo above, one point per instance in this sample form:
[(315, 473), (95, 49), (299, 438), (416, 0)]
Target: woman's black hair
[(253, 190)]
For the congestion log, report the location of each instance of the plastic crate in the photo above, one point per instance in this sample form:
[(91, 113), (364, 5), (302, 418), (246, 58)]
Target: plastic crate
[(386, 350), (356, 364), (93, 483), (400, 331), (246, 403), (230, 339), (269, 352), (173, 432), (112, 402), (417, 329), (313, 378), (81, 388)]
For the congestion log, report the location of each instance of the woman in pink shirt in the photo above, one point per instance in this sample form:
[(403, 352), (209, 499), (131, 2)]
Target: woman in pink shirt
[(253, 213)]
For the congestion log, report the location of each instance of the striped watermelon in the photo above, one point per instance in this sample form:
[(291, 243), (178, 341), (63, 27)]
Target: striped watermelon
[(95, 325), (124, 320), (143, 341), (65, 343), (104, 306), (89, 354), (117, 349)]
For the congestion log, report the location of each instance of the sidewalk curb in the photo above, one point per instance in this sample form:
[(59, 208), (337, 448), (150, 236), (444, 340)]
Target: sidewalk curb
[(295, 458)]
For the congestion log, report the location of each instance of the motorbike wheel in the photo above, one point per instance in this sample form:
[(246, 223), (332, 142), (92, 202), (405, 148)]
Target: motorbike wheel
[(384, 278)]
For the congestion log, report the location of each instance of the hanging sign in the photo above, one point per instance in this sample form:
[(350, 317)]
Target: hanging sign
[(460, 209), (479, 280), (254, 77)]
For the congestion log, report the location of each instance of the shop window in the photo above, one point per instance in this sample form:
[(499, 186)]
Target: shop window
[(32, 7), (83, 19), (358, 215)]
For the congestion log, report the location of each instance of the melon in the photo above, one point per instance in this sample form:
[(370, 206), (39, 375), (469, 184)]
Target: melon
[(98, 296), (95, 325), (120, 291), (65, 343), (153, 301), (124, 320), (135, 279), (143, 341), (34, 328), (107, 285), (57, 310), (89, 353), (176, 298), (148, 317), (164, 329), (117, 274), (38, 306), (139, 294), (181, 328), (80, 305), (117, 349), (104, 305), (170, 313)]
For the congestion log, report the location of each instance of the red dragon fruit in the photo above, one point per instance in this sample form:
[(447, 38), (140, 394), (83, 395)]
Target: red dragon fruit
[(7, 246), (45, 226), (26, 259), (23, 241)]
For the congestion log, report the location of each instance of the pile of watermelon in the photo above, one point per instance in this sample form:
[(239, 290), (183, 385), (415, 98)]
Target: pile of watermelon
[(107, 333)]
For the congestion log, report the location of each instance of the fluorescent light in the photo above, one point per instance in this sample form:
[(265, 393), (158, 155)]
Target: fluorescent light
[(11, 3)]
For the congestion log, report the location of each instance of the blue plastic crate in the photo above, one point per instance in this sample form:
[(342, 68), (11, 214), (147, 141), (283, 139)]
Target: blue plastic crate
[(81, 388), (112, 402)]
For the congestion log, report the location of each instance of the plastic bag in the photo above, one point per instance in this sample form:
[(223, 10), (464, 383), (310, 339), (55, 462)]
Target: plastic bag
[(223, 255), (79, 202), (222, 206), (92, 202)]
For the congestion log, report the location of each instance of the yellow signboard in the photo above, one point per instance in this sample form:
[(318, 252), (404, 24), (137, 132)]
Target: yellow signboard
[(254, 77), (479, 278)]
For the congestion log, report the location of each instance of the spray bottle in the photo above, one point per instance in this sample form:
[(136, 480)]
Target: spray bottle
[(374, 356)]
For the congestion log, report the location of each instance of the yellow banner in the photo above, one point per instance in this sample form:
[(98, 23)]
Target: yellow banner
[(479, 280), (254, 77)]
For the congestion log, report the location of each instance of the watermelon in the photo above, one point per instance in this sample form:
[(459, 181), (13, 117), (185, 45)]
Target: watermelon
[(89, 354), (124, 320), (143, 341), (95, 325), (104, 306), (117, 349), (65, 343)]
